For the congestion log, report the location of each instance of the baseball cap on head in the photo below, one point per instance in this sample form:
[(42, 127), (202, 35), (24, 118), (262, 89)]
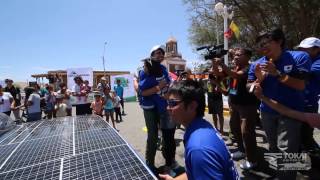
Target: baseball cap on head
[(274, 34), (156, 47), (309, 43)]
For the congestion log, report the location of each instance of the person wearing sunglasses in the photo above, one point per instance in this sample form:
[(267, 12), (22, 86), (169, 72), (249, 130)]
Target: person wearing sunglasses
[(206, 155), (283, 75)]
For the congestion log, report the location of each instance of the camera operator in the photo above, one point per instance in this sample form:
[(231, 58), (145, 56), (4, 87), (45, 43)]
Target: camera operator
[(243, 105)]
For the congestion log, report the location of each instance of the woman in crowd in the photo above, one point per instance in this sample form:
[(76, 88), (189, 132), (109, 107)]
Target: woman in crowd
[(6, 102)]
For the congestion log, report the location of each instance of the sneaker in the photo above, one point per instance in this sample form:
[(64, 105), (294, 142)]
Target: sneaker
[(246, 165), (238, 155)]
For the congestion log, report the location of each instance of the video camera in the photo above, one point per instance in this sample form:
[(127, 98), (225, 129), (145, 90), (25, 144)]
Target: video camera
[(215, 51)]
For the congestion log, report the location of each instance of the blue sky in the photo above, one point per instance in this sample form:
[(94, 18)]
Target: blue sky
[(41, 35)]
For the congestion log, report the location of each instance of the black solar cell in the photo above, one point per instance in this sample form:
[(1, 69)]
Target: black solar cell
[(82, 147)]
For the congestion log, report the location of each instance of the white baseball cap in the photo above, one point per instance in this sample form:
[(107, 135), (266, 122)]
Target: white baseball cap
[(103, 78), (309, 43), (156, 47)]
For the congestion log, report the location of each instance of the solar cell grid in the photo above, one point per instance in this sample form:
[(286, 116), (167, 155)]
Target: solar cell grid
[(49, 131), (18, 134), (39, 151), (96, 139), (6, 151), (57, 122), (111, 163), (90, 125), (47, 170), (84, 147)]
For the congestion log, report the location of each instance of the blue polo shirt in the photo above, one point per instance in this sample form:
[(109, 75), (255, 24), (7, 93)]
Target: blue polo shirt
[(293, 63), (146, 82), (312, 90), (119, 90), (206, 155)]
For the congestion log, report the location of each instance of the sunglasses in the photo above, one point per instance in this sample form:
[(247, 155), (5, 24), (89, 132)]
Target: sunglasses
[(173, 102)]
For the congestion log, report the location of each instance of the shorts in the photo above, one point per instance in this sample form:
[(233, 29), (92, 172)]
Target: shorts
[(215, 107), (108, 110)]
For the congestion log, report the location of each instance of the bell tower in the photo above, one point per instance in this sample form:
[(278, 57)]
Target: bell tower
[(173, 59)]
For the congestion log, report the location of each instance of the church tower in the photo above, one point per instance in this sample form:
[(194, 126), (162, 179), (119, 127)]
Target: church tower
[(173, 59)]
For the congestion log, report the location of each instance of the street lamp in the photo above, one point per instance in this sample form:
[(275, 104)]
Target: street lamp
[(222, 10), (104, 67)]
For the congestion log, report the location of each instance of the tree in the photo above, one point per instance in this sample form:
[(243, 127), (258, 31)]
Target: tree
[(298, 18)]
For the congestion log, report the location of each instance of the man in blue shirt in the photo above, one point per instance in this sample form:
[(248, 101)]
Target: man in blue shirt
[(206, 155), (311, 45), (152, 87), (283, 79), (119, 91)]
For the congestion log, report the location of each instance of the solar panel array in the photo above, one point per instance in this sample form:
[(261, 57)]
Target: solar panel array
[(82, 147)]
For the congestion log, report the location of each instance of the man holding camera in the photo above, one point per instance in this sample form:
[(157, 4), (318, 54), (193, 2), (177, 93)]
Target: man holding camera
[(244, 108)]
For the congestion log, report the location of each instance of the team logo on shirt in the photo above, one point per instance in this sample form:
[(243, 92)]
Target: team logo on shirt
[(287, 68)]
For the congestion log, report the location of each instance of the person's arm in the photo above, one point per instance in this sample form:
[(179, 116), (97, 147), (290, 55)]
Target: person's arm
[(277, 106), (283, 109), (167, 177), (135, 84), (294, 83), (30, 100), (232, 73), (294, 80), (153, 90)]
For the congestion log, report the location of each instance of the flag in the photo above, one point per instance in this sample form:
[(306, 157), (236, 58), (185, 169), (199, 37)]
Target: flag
[(235, 29), (228, 33)]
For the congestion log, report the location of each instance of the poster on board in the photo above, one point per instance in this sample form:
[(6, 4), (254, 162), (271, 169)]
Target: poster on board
[(129, 94), (85, 73)]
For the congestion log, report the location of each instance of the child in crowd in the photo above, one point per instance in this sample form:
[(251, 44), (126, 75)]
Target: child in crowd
[(66, 97), (97, 105), (60, 107), (116, 105), (108, 106), (50, 102)]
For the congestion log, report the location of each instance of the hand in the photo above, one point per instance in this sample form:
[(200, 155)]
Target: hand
[(165, 177), (260, 74), (270, 68), (162, 84), (258, 90)]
